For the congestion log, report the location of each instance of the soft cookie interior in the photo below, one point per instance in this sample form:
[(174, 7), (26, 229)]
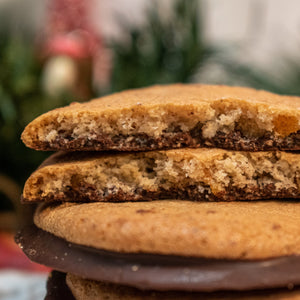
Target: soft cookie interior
[(195, 174)]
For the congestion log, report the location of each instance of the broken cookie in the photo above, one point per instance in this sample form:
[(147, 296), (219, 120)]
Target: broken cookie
[(194, 174), (172, 116)]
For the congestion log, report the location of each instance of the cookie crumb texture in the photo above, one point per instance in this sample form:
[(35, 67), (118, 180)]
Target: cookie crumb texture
[(84, 289), (172, 116), (194, 174), (229, 230)]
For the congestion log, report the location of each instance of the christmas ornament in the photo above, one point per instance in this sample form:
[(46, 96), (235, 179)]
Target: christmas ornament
[(70, 48)]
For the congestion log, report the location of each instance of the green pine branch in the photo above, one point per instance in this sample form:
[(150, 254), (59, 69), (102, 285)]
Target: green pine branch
[(161, 51)]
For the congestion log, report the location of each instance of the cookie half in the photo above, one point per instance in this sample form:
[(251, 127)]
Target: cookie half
[(195, 174), (228, 230), (84, 289), (172, 116)]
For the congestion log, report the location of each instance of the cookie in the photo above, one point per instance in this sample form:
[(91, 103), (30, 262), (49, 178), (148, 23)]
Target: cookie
[(157, 272), (227, 230), (172, 116), (84, 289), (195, 174)]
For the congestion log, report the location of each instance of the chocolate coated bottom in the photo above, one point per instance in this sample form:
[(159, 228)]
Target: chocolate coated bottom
[(57, 289), (157, 272)]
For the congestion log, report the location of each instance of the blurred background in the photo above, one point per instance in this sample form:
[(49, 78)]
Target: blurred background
[(53, 52)]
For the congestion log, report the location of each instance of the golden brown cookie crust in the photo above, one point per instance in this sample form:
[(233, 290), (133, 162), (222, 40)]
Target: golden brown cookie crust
[(195, 174), (172, 116), (84, 289), (230, 230)]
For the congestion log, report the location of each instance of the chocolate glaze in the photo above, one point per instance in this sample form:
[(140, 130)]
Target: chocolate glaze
[(157, 272), (57, 289)]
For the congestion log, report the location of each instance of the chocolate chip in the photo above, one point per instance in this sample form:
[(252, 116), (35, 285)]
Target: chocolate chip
[(276, 226)]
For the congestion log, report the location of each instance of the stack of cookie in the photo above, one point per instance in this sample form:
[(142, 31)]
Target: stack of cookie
[(225, 223)]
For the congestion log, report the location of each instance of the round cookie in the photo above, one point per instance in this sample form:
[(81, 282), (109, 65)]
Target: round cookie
[(84, 289), (157, 272), (225, 230)]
